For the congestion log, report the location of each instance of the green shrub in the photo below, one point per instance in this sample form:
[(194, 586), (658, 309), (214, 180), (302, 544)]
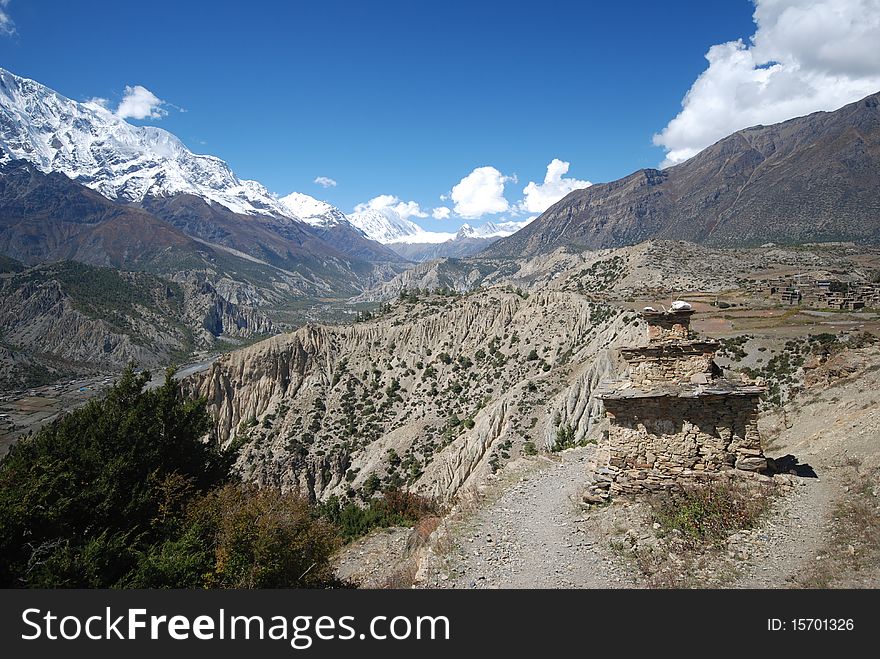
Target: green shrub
[(395, 507), (564, 438), (372, 484), (708, 513), (96, 478), (124, 493)]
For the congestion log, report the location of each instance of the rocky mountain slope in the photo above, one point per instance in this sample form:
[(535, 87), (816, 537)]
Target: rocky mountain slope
[(295, 247), (443, 388), (71, 317), (660, 264), (439, 389), (46, 217), (452, 248), (809, 179)]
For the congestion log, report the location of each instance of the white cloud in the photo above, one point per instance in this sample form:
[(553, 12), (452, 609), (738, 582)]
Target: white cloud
[(441, 213), (100, 102), (325, 182), (140, 103), (540, 196), (405, 209), (479, 193), (805, 56), (7, 25)]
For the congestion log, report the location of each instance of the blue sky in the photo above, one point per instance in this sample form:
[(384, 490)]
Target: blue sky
[(391, 98)]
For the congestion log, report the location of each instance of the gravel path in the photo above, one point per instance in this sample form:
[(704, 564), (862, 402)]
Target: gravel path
[(787, 545), (532, 536), (529, 532)]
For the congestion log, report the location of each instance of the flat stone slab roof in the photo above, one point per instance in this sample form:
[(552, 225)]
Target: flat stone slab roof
[(625, 390), (683, 347)]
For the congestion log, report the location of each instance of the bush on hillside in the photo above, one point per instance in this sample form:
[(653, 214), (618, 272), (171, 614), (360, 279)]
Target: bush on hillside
[(124, 492)]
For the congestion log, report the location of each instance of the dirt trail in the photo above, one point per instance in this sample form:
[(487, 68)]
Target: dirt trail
[(532, 536), (529, 531), (786, 546)]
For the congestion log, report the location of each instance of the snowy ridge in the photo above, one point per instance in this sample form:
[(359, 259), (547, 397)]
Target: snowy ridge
[(94, 147), (491, 229), (386, 226), (313, 211)]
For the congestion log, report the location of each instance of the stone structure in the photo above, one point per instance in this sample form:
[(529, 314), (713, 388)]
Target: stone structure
[(822, 293), (674, 418)]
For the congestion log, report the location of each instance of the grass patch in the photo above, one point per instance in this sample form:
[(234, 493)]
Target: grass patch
[(706, 514)]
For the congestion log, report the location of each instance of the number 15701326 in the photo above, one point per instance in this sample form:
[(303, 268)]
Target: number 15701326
[(810, 624)]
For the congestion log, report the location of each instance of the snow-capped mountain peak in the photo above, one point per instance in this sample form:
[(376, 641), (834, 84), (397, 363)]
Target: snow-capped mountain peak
[(386, 226), (93, 146), (313, 211), (465, 231), (490, 229)]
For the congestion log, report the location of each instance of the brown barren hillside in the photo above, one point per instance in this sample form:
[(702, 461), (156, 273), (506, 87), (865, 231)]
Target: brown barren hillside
[(810, 179)]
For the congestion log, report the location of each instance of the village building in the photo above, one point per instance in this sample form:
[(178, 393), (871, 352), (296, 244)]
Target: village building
[(821, 293), (673, 417)]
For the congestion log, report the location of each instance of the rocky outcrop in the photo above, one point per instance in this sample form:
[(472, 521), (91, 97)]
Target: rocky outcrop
[(42, 319), (209, 312), (441, 389), (466, 274), (435, 394), (576, 407), (91, 317)]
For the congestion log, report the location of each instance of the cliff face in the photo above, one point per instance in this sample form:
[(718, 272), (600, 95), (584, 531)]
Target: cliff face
[(213, 315), (436, 393), (41, 317), (83, 316)]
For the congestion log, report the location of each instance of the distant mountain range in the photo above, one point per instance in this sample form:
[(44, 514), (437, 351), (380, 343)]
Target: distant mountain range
[(78, 183), (199, 194), (416, 244), (157, 200), (811, 179)]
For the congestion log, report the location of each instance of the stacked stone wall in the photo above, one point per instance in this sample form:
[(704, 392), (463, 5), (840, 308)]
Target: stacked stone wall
[(669, 327), (670, 368), (658, 443)]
